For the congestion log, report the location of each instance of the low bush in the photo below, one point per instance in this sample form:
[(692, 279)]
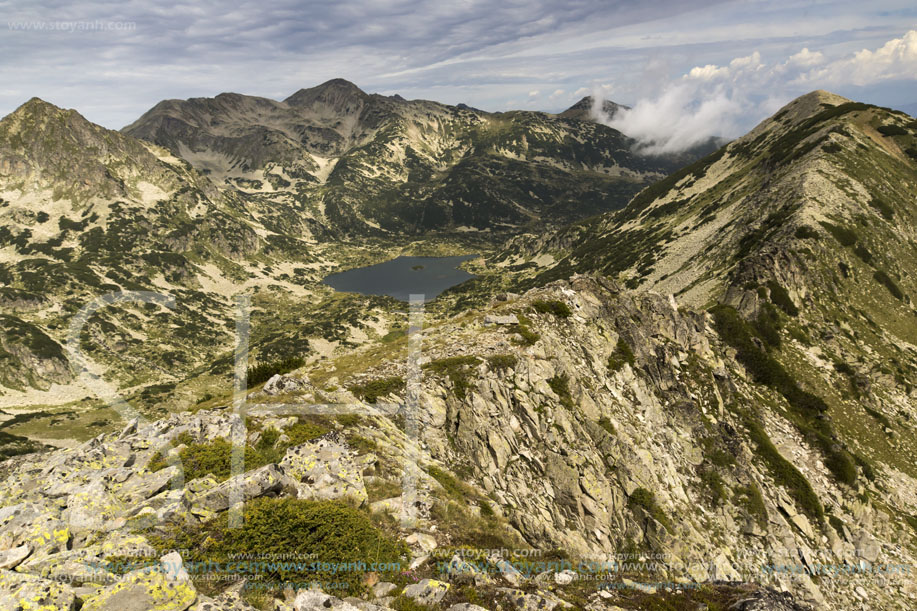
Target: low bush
[(781, 298), (213, 457), (336, 534), (713, 483), (784, 473), (524, 329), (804, 232), (502, 361), (621, 355), (304, 431), (767, 325), (606, 424), (552, 306), (863, 253), (375, 389), (847, 237), (560, 384), (646, 500), (891, 130), (884, 209), (750, 499), (262, 372), (885, 280), (459, 369)]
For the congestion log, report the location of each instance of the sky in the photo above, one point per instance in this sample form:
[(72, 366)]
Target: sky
[(688, 69)]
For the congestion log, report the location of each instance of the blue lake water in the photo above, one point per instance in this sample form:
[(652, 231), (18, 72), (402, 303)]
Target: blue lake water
[(402, 277)]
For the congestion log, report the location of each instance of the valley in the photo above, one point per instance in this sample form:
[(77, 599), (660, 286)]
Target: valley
[(704, 362)]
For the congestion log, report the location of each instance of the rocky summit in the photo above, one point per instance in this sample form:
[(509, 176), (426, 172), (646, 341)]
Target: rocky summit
[(702, 399)]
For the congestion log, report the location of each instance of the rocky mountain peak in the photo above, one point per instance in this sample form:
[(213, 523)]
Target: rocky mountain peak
[(37, 114), (337, 93), (583, 110)]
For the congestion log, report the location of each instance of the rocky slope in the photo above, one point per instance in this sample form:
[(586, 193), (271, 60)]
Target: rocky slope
[(806, 226), (616, 433), (335, 158)]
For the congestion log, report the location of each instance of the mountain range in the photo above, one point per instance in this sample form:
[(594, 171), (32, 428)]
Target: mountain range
[(359, 164), (706, 365)]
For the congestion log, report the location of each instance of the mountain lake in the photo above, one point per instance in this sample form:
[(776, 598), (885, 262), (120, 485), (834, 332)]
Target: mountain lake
[(403, 276)]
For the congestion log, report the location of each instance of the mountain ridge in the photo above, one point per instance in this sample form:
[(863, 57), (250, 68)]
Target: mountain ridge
[(420, 165)]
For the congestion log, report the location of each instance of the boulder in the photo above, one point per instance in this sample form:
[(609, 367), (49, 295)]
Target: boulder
[(141, 591), (280, 384), (76, 567), (38, 593), (461, 572), (316, 600), (427, 591), (383, 588), (258, 482), (11, 558), (326, 469)]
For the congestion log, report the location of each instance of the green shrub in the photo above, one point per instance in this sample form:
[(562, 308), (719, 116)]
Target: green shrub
[(459, 369), (751, 500), (362, 445), (523, 328), (912, 520), (882, 418), (863, 253), (784, 473), (348, 420), (215, 457), (884, 209), (717, 456), (847, 237), (799, 335), (767, 325), (553, 306), (560, 384), (606, 424), (837, 524), (406, 603), (885, 280), (713, 484), (868, 471), (304, 431), (262, 372), (781, 298), (643, 498), (621, 355), (374, 389), (281, 527), (891, 130), (502, 361), (804, 232), (453, 487)]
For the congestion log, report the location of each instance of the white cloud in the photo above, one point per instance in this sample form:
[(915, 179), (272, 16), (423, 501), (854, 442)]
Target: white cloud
[(714, 100), (896, 59)]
